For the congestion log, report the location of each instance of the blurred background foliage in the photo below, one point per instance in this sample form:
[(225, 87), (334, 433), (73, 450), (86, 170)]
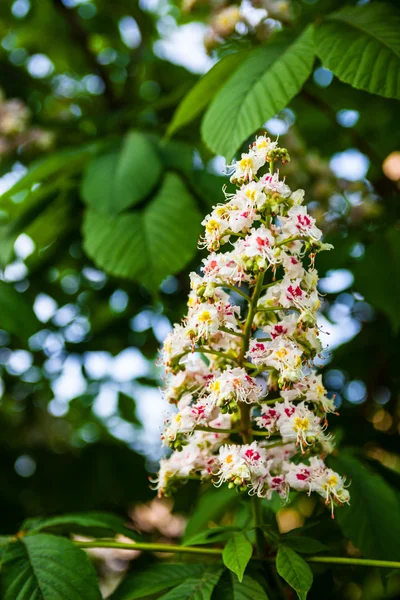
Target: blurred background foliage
[(99, 218)]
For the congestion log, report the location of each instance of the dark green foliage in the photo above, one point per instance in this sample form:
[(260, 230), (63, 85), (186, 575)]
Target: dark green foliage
[(114, 208)]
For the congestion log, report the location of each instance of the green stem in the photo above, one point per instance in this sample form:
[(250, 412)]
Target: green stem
[(272, 309), (245, 409), (361, 562), (289, 240), (275, 401), (214, 429), (149, 547), (250, 315), (277, 308), (226, 330), (234, 289), (216, 353), (333, 560), (260, 370), (229, 232), (268, 285)]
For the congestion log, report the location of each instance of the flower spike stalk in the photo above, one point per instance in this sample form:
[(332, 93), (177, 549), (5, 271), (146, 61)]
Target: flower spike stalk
[(241, 362)]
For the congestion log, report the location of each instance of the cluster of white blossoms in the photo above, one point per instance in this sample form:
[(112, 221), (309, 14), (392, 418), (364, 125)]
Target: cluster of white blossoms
[(251, 411)]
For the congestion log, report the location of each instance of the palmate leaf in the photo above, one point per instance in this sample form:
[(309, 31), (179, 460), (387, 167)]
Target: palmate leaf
[(294, 570), (204, 90), (196, 588), (156, 578), (361, 46), (121, 178), (383, 257), (16, 312), (47, 567), (259, 88), (56, 164), (230, 588), (237, 554), (97, 524), (150, 244), (372, 519)]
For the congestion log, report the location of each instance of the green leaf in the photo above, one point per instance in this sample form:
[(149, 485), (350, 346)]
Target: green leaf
[(383, 257), (127, 408), (46, 567), (230, 588), (156, 578), (150, 244), (97, 524), (294, 570), (210, 536), (262, 86), (4, 539), (16, 313), (120, 179), (204, 91), (372, 519), (211, 505), (361, 46), (62, 163), (237, 554), (304, 544), (196, 588)]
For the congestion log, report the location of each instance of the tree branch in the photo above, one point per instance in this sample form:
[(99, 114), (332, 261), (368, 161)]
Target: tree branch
[(81, 38), (333, 560)]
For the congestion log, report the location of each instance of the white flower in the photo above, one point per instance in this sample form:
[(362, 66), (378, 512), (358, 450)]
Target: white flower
[(192, 379), (278, 456), (201, 290), (188, 417), (286, 357), (235, 216), (245, 465), (203, 321), (281, 354), (176, 343), (228, 268), (268, 419), (285, 327), (299, 424), (316, 477), (311, 389), (293, 266), (233, 385), (263, 146), (260, 244), (272, 184), (252, 193), (270, 232), (300, 223), (297, 197)]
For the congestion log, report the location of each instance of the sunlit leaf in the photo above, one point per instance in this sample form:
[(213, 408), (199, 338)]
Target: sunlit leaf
[(361, 45), (150, 244), (121, 178), (204, 90), (261, 86)]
